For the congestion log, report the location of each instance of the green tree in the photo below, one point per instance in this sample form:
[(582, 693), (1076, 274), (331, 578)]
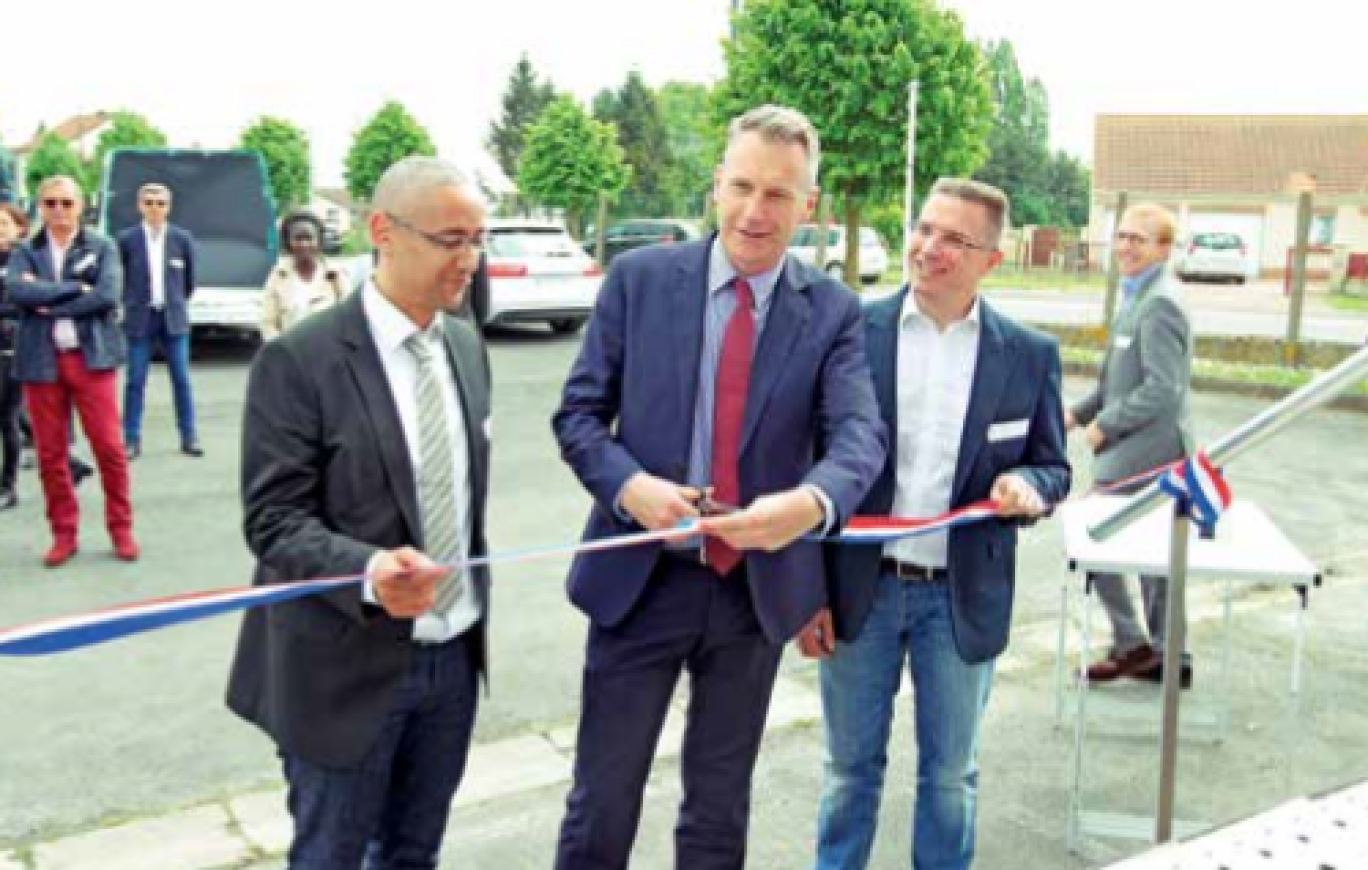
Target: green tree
[(570, 159), (1019, 143), (847, 66), (285, 149), (126, 130), (524, 100), (641, 133), (695, 140), (53, 156), (388, 137), (1068, 184)]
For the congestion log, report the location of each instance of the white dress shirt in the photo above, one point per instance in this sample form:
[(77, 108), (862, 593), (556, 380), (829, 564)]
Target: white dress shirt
[(64, 333), (390, 328), (935, 377), (156, 263)]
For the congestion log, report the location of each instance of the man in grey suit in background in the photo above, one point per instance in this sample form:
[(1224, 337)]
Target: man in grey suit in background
[(1137, 418)]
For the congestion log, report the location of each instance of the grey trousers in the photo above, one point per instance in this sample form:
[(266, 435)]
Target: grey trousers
[(1127, 632)]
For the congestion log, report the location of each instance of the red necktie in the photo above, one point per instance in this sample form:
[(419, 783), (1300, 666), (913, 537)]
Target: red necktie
[(729, 414)]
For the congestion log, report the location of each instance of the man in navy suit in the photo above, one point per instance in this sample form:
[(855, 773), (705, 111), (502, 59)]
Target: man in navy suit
[(726, 364), (973, 404), (159, 279)]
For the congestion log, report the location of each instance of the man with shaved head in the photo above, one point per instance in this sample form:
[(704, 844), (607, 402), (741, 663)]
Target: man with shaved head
[(366, 451)]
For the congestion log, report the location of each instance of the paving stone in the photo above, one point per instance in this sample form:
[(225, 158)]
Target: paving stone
[(510, 766), (264, 820), (196, 839)]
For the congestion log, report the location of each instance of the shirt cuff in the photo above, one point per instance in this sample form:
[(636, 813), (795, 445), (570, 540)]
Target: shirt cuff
[(828, 511), (368, 588)]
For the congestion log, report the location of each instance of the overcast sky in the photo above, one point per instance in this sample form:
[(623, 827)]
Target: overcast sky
[(203, 76)]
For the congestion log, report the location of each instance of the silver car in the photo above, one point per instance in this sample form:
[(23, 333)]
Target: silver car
[(873, 255)]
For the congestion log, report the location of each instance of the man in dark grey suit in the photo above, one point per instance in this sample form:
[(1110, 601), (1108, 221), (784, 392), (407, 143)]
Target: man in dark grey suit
[(366, 450), (159, 279), (1137, 419)]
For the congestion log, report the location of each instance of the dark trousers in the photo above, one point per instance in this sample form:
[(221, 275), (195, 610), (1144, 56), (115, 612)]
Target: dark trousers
[(92, 394), (688, 618), (177, 350), (390, 811), (11, 398)]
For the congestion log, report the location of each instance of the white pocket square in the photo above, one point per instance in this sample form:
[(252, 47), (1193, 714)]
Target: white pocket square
[(177, 264), (1122, 342), (86, 262), (1008, 430), (489, 428)]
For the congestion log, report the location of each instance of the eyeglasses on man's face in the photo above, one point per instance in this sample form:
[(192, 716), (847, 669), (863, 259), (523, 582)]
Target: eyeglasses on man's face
[(947, 240), (1125, 237), (156, 203), (53, 202), (455, 243)]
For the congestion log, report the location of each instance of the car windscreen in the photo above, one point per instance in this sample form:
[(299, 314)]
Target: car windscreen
[(1218, 241), (222, 198), (531, 242)]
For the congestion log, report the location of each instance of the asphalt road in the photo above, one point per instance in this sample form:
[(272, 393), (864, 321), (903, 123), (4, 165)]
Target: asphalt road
[(138, 727)]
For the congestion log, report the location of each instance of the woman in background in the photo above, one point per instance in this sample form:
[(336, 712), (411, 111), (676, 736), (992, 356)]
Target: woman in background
[(303, 281), (14, 227)]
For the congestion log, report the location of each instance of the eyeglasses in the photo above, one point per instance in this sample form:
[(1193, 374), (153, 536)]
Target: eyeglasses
[(1128, 238), (451, 244), (949, 240), (157, 203), (63, 203)]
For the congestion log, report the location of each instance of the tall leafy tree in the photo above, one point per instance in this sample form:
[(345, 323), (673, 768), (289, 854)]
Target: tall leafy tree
[(52, 156), (388, 137), (695, 140), (1068, 184), (1019, 143), (285, 148), (641, 133), (524, 100), (126, 130), (569, 160), (847, 65)]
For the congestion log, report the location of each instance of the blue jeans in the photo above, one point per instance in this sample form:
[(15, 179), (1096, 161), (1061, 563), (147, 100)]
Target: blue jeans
[(177, 348), (390, 812), (910, 622)]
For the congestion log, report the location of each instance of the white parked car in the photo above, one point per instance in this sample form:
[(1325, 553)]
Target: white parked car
[(1214, 257), (873, 255), (538, 274)]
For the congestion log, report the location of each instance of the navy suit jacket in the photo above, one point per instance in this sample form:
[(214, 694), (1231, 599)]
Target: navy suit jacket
[(178, 280), (628, 406), (1017, 377)]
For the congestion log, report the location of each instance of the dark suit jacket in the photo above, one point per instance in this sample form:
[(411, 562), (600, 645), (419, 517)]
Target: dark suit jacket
[(628, 406), (326, 482), (1017, 377), (178, 280), (91, 261)]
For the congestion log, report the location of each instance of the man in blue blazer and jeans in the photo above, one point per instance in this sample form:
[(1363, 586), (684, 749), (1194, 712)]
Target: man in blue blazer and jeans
[(721, 363), (972, 401), (159, 279)]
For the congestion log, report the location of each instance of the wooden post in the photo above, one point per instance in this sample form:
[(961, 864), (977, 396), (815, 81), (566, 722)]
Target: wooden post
[(1113, 270), (1291, 352), (601, 227)]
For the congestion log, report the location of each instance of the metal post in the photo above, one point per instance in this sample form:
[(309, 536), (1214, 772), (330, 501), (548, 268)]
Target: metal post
[(819, 258), (910, 186), (1294, 310), (1175, 641), (1113, 269)]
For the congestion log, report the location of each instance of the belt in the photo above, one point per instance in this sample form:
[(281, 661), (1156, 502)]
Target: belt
[(914, 573)]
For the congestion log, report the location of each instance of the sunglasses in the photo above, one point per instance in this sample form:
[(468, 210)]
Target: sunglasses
[(54, 203), (159, 203)]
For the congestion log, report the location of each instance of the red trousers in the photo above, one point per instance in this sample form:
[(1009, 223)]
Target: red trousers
[(94, 395)]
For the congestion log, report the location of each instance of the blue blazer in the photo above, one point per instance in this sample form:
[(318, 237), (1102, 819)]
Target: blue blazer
[(1017, 377), (178, 280), (43, 297), (628, 406)]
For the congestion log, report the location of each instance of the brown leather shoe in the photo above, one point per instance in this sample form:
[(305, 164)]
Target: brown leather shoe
[(125, 547), (1156, 674), (61, 552), (1115, 666)]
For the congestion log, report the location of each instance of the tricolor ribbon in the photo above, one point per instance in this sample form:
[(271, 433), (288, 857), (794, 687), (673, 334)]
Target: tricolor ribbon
[(1198, 486)]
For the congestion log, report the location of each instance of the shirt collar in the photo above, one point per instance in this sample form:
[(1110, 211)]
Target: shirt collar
[(911, 311), (154, 233), (389, 326), (721, 274), (1130, 285)]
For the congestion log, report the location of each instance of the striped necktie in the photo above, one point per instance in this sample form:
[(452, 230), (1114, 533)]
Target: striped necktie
[(436, 485)]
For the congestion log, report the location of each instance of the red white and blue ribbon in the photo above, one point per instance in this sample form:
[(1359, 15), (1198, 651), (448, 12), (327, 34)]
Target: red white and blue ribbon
[(1197, 484), (101, 626)]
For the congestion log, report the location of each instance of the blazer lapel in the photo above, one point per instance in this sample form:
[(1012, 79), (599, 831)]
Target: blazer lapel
[(990, 377), (789, 312), (377, 403), (883, 323), (688, 298), (473, 426)]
